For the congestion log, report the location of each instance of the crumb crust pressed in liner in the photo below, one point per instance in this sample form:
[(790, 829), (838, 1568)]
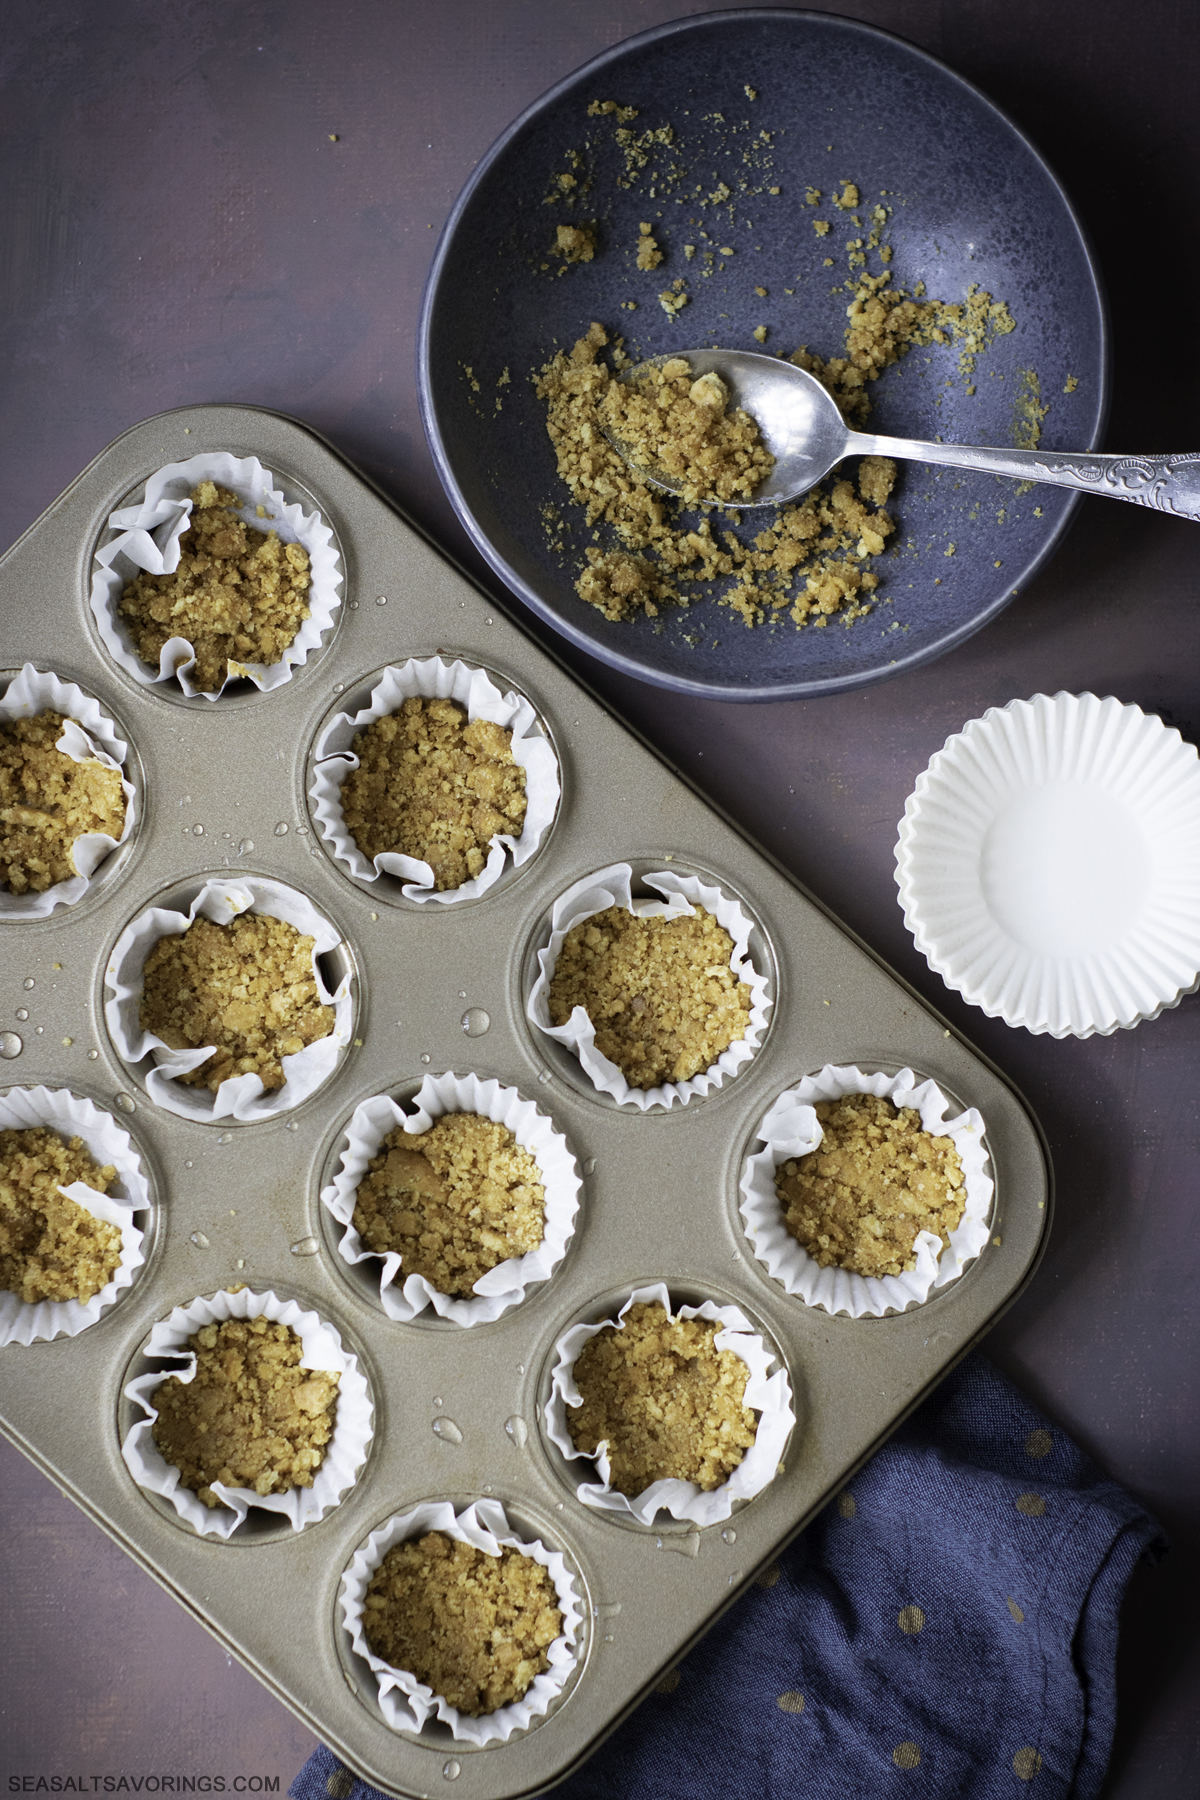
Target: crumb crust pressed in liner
[(876, 1180), (247, 987), (659, 991), (47, 801), (666, 1400), (51, 1248), (251, 1417), (454, 1201), (238, 594), (473, 1627), (434, 785)]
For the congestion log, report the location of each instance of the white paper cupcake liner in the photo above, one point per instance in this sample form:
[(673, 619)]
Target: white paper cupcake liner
[(683, 894), (147, 538), (407, 1703), (241, 1096), (505, 1286), (89, 735), (345, 1452), (791, 1128), (433, 679), (768, 1395), (23, 1109), (1049, 865)]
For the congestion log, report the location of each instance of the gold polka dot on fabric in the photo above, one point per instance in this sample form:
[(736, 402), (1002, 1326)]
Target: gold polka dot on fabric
[(1014, 1609), (911, 1620), (906, 1756), (340, 1785), (1039, 1443), (669, 1682), (769, 1576), (791, 1702), (1027, 1762), (847, 1504), (1032, 1505)]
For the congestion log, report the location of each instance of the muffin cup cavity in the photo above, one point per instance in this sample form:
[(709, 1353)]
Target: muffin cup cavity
[(404, 1297), (767, 1394), (431, 678), (88, 735), (24, 1109), (682, 894), (345, 1453), (407, 1703), (241, 1097), (147, 539), (791, 1129)]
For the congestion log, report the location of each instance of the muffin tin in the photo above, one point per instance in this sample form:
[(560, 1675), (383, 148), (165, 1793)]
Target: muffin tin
[(457, 1411)]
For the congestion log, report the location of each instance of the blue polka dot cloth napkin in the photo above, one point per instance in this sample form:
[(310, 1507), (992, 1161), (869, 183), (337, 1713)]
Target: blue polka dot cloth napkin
[(946, 1626)]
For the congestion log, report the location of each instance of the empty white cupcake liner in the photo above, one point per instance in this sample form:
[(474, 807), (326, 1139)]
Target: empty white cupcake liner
[(1048, 865), (431, 678), (402, 1296), (767, 1394), (147, 539), (71, 1115), (89, 735), (791, 1129), (683, 894), (240, 1097), (407, 1703), (345, 1453)]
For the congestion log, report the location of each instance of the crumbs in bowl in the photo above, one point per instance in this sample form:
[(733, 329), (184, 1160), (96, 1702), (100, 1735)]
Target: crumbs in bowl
[(455, 1200), (434, 785), (877, 1179), (473, 1627), (247, 987), (251, 1417), (47, 800), (682, 429), (51, 1248), (238, 594), (669, 1404)]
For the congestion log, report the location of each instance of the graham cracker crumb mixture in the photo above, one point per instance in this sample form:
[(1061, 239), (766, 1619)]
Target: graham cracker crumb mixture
[(682, 430), (251, 1417), (434, 785), (475, 1628), (668, 1402), (238, 594), (877, 1179), (47, 800), (246, 987), (648, 253), (575, 243), (454, 1200), (810, 559), (660, 992), (51, 1248)]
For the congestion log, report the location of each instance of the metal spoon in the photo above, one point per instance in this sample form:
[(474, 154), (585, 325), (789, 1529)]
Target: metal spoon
[(804, 431)]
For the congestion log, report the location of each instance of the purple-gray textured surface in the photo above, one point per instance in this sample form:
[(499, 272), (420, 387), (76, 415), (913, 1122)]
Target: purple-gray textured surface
[(179, 226)]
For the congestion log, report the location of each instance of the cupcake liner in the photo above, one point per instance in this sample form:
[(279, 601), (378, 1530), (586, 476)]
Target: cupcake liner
[(89, 735), (23, 1109), (791, 1128), (768, 1395), (241, 1096), (431, 679), (147, 538), (1048, 865), (682, 894), (345, 1452), (407, 1703), (504, 1286)]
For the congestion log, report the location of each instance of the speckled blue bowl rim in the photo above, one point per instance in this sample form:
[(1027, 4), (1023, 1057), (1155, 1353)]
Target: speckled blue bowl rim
[(615, 657)]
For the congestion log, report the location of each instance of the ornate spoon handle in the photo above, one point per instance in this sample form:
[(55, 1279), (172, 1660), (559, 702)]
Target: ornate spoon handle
[(1168, 483)]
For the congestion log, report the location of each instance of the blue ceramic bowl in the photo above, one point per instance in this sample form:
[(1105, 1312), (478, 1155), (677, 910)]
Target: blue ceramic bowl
[(972, 202)]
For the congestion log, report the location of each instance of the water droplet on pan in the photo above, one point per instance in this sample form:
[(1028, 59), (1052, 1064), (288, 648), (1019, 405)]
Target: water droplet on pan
[(438, 1401), (281, 830), (381, 600), (29, 982), (729, 1535), (291, 1125), (589, 1167), (226, 1137), (198, 1238), (22, 1012), (517, 1430), (197, 831), (447, 1430), (10, 1045), (685, 1543), (475, 1021), (189, 1165), (452, 1769), (92, 1055), (126, 1102), (305, 1246), (520, 1368), (245, 847), (607, 1609), (424, 1056)]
